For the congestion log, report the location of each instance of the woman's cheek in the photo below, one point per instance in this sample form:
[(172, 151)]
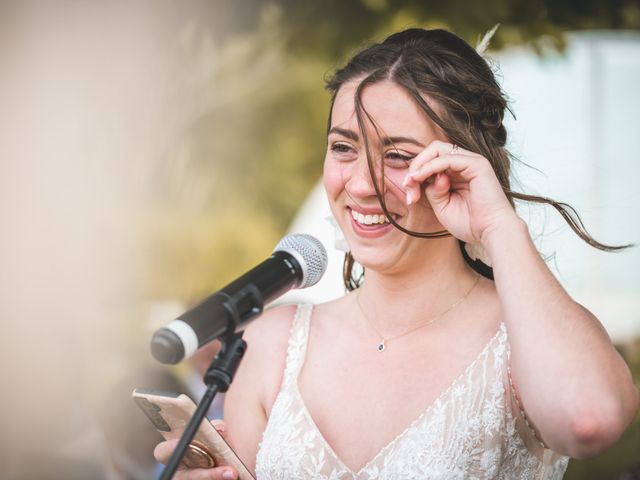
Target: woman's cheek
[(333, 177), (393, 180)]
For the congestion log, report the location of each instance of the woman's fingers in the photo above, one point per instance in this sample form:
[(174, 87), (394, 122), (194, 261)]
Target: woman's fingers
[(439, 148), (447, 165), (219, 473), (220, 426), (163, 452), (460, 186), (438, 158), (438, 190), (436, 149)]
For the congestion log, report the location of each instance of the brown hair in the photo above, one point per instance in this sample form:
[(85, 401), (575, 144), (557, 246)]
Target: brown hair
[(442, 66)]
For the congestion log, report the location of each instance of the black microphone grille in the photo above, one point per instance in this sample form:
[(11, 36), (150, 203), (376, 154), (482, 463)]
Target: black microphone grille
[(309, 252)]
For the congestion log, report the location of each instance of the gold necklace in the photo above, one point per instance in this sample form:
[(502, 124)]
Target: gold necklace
[(383, 341)]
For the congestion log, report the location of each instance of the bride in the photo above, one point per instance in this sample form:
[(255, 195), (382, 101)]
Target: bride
[(457, 354)]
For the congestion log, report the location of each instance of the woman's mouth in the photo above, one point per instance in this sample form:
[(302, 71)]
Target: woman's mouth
[(369, 219), (370, 224)]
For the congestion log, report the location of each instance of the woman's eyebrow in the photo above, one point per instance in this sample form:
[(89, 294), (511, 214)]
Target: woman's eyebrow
[(393, 140), (386, 141), (350, 134)]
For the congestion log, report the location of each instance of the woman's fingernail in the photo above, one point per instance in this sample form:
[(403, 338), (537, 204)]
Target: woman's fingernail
[(409, 197), (405, 182), (228, 475)]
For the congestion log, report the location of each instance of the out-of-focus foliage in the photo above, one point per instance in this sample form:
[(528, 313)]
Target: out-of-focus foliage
[(331, 28), (224, 194)]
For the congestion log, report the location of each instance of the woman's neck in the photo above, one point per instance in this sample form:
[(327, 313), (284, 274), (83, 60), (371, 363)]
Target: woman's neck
[(431, 285)]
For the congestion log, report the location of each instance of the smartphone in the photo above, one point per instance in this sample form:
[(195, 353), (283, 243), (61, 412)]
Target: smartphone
[(170, 413)]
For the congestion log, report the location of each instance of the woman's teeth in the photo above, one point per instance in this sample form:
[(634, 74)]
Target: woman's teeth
[(368, 219)]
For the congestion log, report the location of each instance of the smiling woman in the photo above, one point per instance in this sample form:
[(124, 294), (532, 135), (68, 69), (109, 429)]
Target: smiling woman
[(447, 367), (404, 132)]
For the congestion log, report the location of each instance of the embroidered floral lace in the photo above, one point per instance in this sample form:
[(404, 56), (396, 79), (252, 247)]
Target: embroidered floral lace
[(474, 429)]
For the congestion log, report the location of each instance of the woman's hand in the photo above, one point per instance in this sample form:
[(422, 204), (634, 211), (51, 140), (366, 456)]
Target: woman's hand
[(163, 452), (462, 189)]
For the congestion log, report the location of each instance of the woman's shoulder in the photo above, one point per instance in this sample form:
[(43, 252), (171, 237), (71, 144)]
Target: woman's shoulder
[(273, 328), (267, 340), (267, 336)]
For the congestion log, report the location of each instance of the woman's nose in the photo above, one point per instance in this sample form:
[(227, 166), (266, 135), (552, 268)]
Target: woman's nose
[(360, 182)]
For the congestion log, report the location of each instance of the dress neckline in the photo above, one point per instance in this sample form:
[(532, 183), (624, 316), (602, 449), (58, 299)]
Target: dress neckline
[(416, 421)]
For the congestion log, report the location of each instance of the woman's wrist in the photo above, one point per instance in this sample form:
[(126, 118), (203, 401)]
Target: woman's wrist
[(504, 234)]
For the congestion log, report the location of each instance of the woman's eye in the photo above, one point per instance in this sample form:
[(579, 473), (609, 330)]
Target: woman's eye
[(341, 148), (397, 159)]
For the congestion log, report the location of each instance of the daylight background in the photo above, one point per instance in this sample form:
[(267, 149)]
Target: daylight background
[(151, 151)]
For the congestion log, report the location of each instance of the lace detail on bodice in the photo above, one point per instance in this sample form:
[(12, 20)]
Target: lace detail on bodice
[(471, 431)]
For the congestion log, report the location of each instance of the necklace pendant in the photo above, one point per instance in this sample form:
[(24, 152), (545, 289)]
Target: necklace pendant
[(381, 346)]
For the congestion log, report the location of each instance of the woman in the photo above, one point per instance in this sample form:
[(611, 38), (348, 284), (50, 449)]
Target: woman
[(427, 369)]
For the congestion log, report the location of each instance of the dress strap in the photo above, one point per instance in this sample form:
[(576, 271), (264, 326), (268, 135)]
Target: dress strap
[(298, 340)]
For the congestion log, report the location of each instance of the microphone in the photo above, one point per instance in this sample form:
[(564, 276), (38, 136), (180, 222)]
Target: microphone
[(298, 261)]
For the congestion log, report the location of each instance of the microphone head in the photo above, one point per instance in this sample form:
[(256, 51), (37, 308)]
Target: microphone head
[(310, 254)]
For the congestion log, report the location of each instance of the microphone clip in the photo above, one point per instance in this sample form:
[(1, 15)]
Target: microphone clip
[(247, 299)]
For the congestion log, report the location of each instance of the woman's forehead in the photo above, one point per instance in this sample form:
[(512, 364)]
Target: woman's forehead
[(390, 105)]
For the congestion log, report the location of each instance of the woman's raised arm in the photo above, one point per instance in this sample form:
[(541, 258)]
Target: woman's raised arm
[(573, 384)]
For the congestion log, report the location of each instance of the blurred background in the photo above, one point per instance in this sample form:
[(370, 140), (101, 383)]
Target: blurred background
[(151, 151)]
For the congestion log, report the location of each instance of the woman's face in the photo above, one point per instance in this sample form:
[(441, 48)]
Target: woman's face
[(404, 130)]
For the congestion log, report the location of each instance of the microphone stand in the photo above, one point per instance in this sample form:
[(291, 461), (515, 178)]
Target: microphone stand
[(218, 377)]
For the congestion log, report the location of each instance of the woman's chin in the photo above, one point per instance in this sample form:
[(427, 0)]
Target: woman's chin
[(377, 259)]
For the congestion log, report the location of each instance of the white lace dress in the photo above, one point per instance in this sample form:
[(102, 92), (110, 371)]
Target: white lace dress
[(473, 430)]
